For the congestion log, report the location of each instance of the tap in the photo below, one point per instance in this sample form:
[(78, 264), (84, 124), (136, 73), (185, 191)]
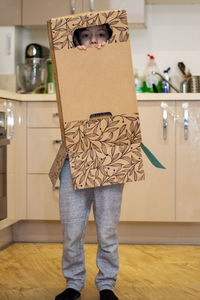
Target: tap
[(173, 87)]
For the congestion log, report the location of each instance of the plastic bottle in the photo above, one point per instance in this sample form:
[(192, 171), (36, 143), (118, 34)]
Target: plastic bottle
[(151, 81), (138, 86), (50, 79), (165, 84)]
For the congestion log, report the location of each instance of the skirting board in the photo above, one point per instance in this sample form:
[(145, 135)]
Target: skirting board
[(128, 232)]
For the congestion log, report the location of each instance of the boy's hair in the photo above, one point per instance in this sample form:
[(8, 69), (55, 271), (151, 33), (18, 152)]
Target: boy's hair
[(77, 33)]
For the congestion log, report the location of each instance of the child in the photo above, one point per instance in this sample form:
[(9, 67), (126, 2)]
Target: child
[(94, 36), (75, 207)]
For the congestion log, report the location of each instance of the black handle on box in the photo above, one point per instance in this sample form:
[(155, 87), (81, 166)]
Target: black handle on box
[(103, 114)]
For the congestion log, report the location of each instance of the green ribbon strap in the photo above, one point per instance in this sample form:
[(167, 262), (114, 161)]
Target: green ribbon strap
[(151, 157)]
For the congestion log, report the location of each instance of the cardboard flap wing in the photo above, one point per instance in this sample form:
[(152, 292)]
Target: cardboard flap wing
[(103, 150)]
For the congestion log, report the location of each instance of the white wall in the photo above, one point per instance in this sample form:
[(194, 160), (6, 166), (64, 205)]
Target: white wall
[(172, 35), (10, 48), (7, 44)]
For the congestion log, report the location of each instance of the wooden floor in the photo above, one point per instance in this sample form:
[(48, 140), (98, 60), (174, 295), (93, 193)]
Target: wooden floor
[(33, 271)]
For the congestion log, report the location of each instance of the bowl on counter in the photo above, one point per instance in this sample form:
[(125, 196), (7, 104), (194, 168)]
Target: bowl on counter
[(31, 76)]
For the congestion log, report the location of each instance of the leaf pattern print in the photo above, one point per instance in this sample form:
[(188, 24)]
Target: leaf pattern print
[(104, 151), (63, 28)]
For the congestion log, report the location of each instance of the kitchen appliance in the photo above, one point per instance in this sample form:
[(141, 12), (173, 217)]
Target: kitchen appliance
[(32, 74), (4, 141), (36, 52)]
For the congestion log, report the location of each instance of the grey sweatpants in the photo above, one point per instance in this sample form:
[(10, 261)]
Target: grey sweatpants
[(74, 212)]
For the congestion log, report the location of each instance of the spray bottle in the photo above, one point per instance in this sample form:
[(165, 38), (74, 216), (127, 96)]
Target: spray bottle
[(151, 82), (165, 84)]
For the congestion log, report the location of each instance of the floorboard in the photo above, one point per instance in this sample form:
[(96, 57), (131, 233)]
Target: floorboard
[(32, 271)]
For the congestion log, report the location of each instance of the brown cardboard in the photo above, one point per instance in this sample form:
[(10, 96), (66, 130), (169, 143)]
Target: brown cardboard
[(107, 150)]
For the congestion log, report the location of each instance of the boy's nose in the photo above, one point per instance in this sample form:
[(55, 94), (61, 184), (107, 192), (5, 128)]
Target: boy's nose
[(93, 39)]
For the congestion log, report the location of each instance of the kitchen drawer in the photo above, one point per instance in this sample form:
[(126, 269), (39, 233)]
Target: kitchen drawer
[(42, 149), (43, 200), (42, 114)]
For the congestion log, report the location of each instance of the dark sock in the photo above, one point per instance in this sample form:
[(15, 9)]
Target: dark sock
[(107, 295), (68, 294)]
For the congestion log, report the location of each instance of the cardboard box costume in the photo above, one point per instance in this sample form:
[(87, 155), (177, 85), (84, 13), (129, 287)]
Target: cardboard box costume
[(106, 150)]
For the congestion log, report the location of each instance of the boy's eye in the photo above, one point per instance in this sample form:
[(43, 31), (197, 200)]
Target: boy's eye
[(102, 34), (85, 35)]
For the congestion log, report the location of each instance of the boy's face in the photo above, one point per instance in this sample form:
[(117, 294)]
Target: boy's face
[(93, 35)]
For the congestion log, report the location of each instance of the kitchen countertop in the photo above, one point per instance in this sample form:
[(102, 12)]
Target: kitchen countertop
[(140, 96)]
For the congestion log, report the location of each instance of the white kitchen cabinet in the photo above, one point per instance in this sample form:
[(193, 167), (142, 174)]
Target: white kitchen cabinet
[(10, 12), (42, 147), (42, 114), (172, 2), (43, 200), (165, 196), (20, 133), (188, 162), (43, 136), (43, 141), (153, 199), (135, 8), (16, 166), (39, 11)]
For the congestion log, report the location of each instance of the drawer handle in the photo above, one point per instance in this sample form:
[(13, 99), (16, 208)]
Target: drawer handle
[(186, 118), (73, 6), (55, 114), (10, 120), (164, 106), (57, 187), (57, 141), (92, 5)]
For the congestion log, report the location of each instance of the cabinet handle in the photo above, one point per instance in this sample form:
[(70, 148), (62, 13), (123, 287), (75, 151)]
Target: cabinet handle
[(57, 141), (92, 5), (10, 120), (186, 118), (55, 114), (164, 105), (57, 187), (73, 6)]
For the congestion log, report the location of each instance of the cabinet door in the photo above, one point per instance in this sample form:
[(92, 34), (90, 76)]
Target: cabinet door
[(39, 11), (153, 199), (188, 162), (16, 163), (42, 147), (135, 8), (20, 159), (10, 12), (43, 200), (42, 114)]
